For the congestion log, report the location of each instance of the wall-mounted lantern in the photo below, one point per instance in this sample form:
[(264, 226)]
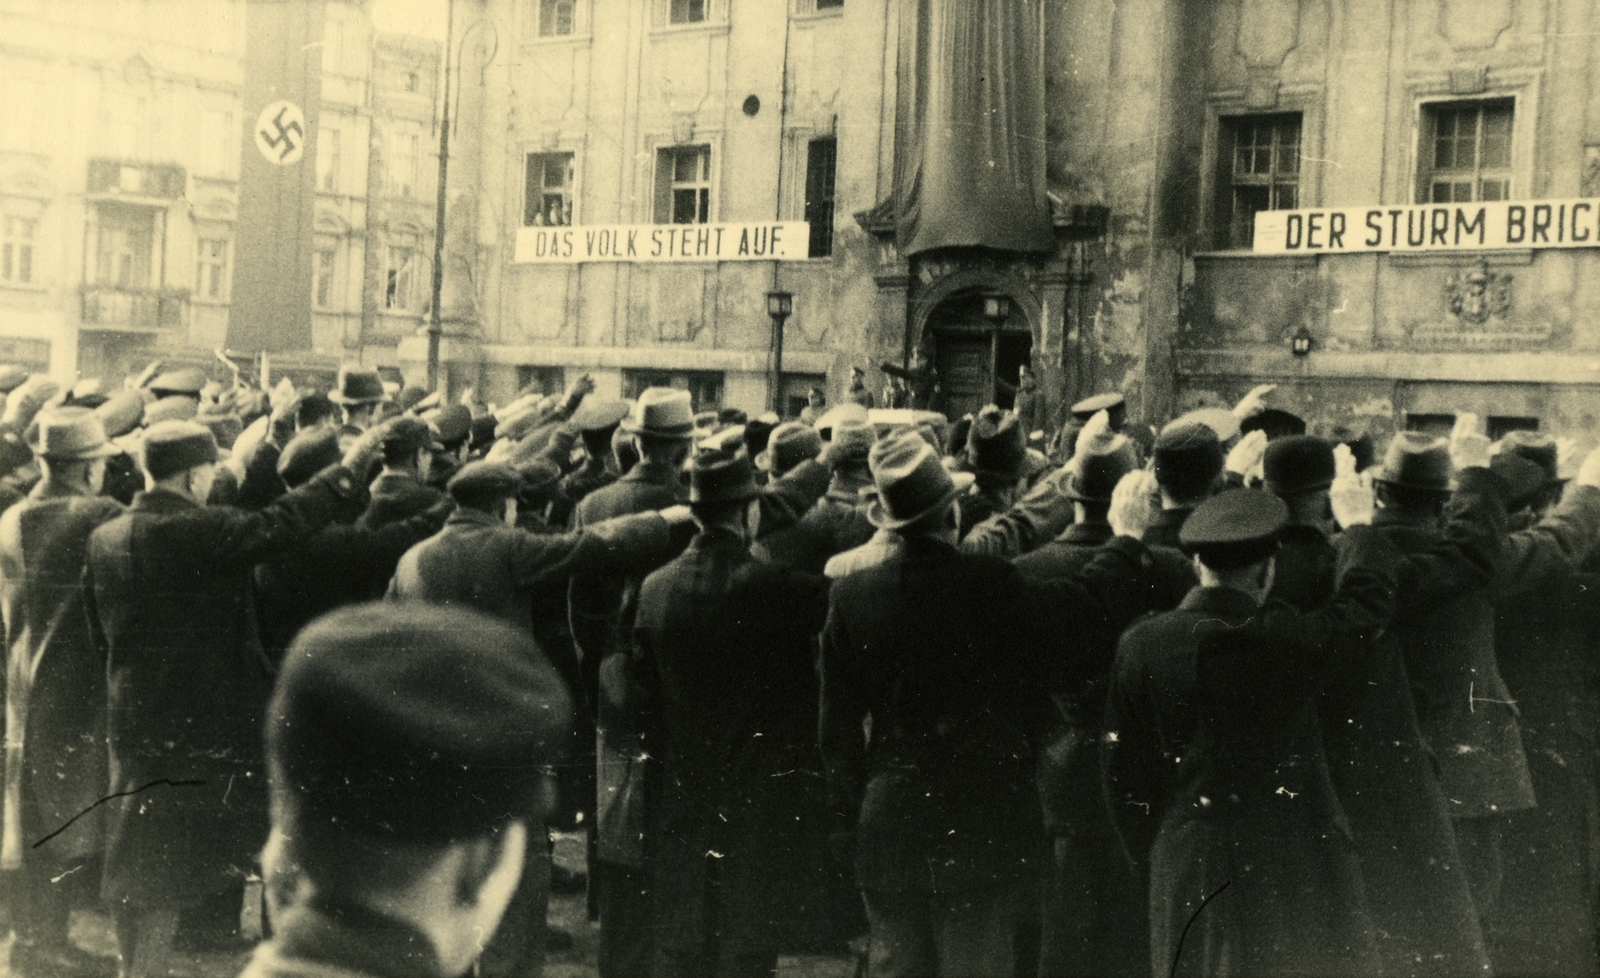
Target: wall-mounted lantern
[(1300, 342)]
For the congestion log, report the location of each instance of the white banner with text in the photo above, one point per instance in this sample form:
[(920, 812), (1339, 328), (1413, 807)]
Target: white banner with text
[(1430, 227), (763, 241)]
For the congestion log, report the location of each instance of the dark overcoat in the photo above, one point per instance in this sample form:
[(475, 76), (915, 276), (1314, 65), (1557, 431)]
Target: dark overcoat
[(1463, 706), (951, 655), (55, 682), (726, 646), (838, 522), (396, 496), (168, 587), (1218, 785), (1384, 775)]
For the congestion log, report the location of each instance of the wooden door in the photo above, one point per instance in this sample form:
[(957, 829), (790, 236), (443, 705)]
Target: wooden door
[(965, 362)]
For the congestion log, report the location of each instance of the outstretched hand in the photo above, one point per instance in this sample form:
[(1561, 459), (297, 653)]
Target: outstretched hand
[(1467, 447), (1350, 494), (1253, 403), (1134, 504)]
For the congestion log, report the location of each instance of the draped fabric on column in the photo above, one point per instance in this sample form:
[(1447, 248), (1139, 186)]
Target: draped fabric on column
[(969, 126)]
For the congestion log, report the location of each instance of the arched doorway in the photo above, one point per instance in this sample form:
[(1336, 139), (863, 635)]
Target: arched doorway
[(978, 359)]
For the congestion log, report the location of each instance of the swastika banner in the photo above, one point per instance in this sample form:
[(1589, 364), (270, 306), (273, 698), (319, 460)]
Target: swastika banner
[(271, 308)]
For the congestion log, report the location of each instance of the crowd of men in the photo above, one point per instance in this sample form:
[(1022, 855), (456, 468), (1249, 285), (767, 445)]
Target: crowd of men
[(1217, 697)]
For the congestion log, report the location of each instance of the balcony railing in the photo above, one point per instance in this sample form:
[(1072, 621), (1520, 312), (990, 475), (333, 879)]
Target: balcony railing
[(110, 307)]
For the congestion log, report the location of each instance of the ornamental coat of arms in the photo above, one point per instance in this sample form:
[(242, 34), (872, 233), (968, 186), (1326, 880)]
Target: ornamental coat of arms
[(1475, 295)]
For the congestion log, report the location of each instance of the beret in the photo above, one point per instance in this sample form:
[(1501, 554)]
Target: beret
[(479, 480), (415, 722), (307, 454), (1235, 528), (171, 447)]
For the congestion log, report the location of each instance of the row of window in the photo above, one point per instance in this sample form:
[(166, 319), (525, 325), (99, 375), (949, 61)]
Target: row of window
[(682, 189), (1464, 155), (558, 18)]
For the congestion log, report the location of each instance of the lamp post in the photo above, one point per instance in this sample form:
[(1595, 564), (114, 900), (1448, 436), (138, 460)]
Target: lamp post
[(780, 305), (996, 309), (435, 323)]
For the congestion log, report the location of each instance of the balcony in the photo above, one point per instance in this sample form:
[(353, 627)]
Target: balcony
[(123, 310)]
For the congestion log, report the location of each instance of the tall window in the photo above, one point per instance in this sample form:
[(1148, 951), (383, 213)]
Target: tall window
[(211, 272), (687, 11), (547, 197), (1466, 151), (821, 159), (555, 17), (322, 285), (1259, 160), (683, 185), (124, 237), (16, 249), (328, 159), (402, 277)]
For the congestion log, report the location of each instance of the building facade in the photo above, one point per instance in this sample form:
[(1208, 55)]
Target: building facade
[(119, 186)]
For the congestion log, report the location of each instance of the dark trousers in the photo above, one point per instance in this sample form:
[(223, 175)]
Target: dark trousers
[(627, 945), (1095, 920), (969, 934)]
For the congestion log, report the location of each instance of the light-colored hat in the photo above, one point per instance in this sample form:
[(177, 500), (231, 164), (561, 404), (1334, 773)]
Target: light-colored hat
[(71, 433), (912, 484), (788, 446), (662, 412)]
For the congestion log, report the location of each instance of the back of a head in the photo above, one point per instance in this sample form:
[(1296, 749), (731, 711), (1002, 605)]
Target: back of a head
[(408, 725), (483, 485), (313, 410), (1416, 472), (1297, 464), (1188, 459)]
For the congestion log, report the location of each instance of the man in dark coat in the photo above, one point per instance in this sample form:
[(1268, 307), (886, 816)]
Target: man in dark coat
[(1417, 889), (396, 854), (1546, 614), (1093, 910), (339, 565), (950, 655), (1214, 771), (921, 380), (857, 392), (1188, 460), (167, 586), (838, 522), (1465, 711), (399, 491), (55, 690), (725, 646), (596, 422)]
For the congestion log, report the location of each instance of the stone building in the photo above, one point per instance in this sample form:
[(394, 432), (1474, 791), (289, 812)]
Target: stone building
[(119, 186)]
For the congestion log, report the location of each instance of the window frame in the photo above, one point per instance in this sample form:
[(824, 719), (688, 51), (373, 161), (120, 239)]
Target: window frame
[(1309, 100), (214, 288), (544, 6), (409, 269), (17, 251), (667, 185), (1429, 116), (324, 282), (696, 382), (688, 6), (1230, 182), (823, 199), (569, 187)]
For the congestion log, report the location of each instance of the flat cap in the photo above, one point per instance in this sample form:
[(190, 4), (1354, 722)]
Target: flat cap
[(484, 480), (121, 412), (187, 381), (1188, 458), (173, 446), (597, 415), (307, 454), (1297, 463), (1235, 528), (415, 722), (1090, 406)]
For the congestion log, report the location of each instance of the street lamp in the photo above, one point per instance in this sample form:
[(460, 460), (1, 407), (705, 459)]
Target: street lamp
[(996, 309), (780, 305), (1300, 342)]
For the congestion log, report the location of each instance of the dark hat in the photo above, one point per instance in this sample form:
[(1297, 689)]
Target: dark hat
[(1538, 448), (1219, 420), (662, 412), (358, 385), (12, 377), (484, 480), (1235, 528), (996, 445), (187, 382), (69, 433), (417, 722), (789, 445), (174, 408), (307, 454), (1524, 477), (1360, 445), (757, 436), (537, 474), (407, 434), (1090, 406), (226, 428), (1298, 463), (452, 425), (956, 442), (1417, 461), (313, 408), (121, 412), (732, 415), (410, 397), (171, 447), (718, 476), (596, 415), (852, 441), (912, 485), (1276, 422), (1188, 458), (482, 432), (1097, 470)]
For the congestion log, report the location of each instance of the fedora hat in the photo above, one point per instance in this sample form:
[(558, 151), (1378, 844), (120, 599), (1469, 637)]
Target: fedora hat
[(789, 445), (911, 484), (452, 424), (358, 385), (720, 476), (1296, 464), (852, 440), (662, 412), (1538, 448), (1417, 461), (70, 433), (1098, 469)]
